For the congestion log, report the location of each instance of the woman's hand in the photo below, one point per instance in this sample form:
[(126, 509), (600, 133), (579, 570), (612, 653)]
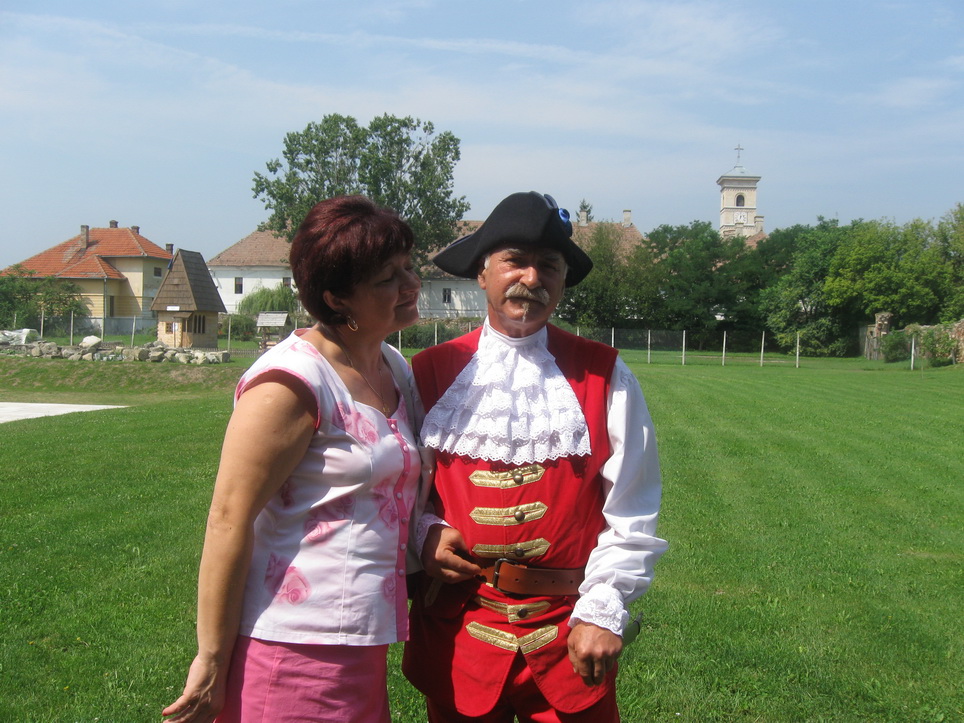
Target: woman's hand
[(444, 555), (203, 695)]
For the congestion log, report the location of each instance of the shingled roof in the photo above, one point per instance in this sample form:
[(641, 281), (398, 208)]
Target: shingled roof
[(261, 248), (86, 255), (188, 286), (628, 235)]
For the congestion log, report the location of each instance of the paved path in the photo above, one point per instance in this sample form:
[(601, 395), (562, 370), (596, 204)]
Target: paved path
[(11, 411)]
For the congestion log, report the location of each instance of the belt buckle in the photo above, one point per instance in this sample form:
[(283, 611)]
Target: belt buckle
[(496, 569)]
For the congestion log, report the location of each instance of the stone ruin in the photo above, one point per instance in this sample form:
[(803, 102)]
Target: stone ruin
[(92, 348)]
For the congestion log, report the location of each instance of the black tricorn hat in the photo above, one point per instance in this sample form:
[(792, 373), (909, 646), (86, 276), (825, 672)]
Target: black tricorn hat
[(527, 219)]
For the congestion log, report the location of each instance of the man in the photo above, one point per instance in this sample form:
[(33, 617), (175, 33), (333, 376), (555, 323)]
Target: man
[(546, 494)]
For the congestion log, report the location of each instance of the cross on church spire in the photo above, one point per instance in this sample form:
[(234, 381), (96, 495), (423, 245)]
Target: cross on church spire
[(738, 149)]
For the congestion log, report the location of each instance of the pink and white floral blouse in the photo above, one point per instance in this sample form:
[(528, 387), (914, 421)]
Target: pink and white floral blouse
[(328, 565)]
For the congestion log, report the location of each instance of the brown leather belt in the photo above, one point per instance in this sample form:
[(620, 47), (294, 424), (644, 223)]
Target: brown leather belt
[(511, 577)]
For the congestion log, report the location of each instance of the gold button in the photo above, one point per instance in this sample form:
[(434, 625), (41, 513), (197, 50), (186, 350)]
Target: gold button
[(520, 516), (518, 478), (522, 613), (519, 552)]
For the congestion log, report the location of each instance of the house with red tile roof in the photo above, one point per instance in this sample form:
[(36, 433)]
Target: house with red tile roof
[(117, 269), (259, 260)]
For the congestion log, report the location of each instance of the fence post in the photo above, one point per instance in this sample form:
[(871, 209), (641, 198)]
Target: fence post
[(229, 331), (684, 347), (71, 328), (41, 323), (612, 336), (649, 346), (763, 341), (133, 328), (913, 349), (436, 333), (724, 349), (798, 350)]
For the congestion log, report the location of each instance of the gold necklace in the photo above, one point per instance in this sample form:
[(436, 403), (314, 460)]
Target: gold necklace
[(385, 409)]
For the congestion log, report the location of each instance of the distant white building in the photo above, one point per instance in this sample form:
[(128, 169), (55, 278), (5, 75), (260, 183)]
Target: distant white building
[(259, 260), (738, 209)]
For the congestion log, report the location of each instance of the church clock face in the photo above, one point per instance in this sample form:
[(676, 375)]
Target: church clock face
[(739, 217)]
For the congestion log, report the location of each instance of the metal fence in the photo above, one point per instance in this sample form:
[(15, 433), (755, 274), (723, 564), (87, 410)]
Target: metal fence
[(652, 346)]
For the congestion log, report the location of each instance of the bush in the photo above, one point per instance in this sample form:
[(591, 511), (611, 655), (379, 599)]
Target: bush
[(243, 327), (939, 345), (895, 346), (423, 334)]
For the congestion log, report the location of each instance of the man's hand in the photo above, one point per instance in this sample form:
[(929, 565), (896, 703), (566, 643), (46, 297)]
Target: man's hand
[(445, 554), (593, 651)]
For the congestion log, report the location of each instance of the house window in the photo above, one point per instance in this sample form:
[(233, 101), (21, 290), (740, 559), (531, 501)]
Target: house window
[(198, 323), (238, 285), (110, 306), (168, 327), (157, 272), (446, 296), (286, 281), (740, 201)]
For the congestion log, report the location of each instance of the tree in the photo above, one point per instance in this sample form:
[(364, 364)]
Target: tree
[(600, 299), (16, 291), (880, 266), (25, 299), (277, 298), (796, 303), (585, 207), (697, 286), (397, 162), (950, 236)]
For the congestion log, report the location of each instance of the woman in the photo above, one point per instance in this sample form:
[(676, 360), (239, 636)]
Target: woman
[(302, 577)]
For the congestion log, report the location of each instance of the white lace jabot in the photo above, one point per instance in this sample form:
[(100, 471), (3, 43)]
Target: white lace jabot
[(511, 403)]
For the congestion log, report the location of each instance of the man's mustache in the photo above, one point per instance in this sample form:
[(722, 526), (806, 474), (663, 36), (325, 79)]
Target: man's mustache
[(519, 290)]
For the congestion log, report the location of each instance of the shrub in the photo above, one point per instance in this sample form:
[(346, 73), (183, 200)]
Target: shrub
[(895, 346), (243, 327), (939, 345)]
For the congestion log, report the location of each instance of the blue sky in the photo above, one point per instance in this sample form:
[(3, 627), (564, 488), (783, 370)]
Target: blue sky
[(157, 113)]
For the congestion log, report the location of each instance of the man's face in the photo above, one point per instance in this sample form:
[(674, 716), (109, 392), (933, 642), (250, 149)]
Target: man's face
[(523, 286)]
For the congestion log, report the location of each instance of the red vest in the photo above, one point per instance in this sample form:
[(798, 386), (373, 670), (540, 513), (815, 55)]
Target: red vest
[(547, 514)]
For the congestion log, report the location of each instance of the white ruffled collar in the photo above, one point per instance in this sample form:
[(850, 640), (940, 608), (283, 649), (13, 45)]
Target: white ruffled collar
[(510, 403)]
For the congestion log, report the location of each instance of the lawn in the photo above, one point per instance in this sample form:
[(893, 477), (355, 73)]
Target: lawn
[(815, 519)]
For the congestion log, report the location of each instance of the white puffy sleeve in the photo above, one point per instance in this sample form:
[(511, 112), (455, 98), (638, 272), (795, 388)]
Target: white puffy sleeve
[(620, 567)]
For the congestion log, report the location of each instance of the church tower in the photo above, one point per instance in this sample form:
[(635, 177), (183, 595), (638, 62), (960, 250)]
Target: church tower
[(738, 216)]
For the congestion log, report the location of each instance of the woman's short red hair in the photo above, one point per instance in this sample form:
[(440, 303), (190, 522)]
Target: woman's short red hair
[(342, 242)]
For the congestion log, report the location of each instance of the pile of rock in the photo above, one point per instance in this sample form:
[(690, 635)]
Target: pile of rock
[(92, 348)]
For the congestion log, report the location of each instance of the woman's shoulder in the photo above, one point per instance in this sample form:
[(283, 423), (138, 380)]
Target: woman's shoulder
[(296, 357)]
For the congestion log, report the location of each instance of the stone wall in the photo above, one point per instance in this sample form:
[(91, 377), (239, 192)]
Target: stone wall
[(93, 349)]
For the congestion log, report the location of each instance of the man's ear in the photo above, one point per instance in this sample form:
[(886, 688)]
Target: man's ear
[(480, 275)]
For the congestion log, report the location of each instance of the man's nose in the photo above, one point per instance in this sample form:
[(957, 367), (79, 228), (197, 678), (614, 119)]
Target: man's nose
[(530, 276)]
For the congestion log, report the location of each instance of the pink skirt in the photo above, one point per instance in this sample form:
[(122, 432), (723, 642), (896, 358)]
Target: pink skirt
[(284, 682)]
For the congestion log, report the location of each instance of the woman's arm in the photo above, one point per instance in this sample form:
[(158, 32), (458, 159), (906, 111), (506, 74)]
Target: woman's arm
[(267, 437)]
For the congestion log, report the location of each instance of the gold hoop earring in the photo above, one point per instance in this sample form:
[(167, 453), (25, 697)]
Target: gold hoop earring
[(351, 323)]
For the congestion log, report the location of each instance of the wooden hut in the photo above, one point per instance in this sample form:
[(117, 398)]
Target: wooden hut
[(272, 325), (188, 304)]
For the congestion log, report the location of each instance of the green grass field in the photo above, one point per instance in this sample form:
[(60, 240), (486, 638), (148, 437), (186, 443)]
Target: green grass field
[(815, 519)]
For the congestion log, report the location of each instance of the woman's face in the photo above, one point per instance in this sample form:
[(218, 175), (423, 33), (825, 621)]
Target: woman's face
[(388, 299)]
